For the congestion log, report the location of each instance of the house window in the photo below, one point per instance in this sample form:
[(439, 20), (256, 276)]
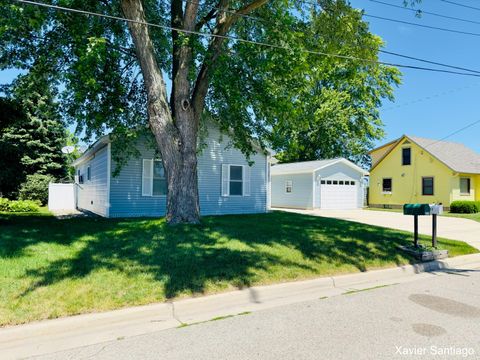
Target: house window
[(387, 185), (159, 179), (288, 186), (353, 183), (335, 182), (323, 182), (340, 182), (236, 180), (329, 182), (154, 182), (427, 186), (88, 173), (406, 156), (465, 186)]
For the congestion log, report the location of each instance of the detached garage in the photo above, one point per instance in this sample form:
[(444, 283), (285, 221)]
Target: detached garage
[(321, 184)]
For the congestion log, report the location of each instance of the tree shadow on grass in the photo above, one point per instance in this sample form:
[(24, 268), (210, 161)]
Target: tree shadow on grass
[(185, 259)]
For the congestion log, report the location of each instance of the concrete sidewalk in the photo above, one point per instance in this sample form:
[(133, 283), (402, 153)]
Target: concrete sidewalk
[(61, 334), (448, 227)]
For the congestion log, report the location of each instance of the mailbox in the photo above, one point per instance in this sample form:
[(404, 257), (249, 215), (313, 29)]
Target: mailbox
[(436, 209), (416, 209)]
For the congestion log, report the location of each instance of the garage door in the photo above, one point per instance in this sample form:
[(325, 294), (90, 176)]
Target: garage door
[(338, 194)]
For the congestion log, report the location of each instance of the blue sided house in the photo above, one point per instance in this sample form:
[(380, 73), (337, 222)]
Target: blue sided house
[(227, 184)]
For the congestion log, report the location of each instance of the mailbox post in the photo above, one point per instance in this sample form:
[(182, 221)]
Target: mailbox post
[(416, 210), (435, 210)]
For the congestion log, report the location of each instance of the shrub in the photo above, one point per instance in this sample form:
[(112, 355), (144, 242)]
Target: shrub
[(465, 207), (4, 204), (24, 206), (36, 188)]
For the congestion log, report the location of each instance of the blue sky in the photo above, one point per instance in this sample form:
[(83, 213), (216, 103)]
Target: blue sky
[(426, 104), (443, 113)]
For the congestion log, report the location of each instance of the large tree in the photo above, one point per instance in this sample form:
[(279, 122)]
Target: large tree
[(335, 107), (113, 72)]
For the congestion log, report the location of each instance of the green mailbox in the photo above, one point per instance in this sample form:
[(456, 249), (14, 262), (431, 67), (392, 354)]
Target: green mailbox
[(416, 209)]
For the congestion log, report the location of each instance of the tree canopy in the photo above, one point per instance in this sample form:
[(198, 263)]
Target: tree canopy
[(299, 102)]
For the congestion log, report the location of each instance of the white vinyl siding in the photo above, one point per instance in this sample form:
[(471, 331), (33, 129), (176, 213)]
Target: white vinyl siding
[(92, 194)]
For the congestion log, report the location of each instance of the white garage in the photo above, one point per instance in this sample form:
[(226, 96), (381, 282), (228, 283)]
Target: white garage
[(325, 184)]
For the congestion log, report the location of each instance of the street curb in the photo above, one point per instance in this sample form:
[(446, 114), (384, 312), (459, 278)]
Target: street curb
[(50, 336)]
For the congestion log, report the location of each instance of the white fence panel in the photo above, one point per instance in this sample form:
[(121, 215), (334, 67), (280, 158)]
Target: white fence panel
[(61, 196)]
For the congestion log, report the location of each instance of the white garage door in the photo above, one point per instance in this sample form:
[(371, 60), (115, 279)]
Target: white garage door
[(338, 194)]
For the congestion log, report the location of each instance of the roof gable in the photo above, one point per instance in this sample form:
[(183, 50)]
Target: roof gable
[(456, 156), (311, 166)]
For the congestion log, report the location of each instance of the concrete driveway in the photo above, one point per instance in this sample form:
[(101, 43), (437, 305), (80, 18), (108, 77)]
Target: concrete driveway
[(448, 227)]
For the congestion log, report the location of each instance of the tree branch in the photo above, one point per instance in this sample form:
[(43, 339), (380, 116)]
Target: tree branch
[(211, 15), (160, 117), (224, 23), (182, 60)]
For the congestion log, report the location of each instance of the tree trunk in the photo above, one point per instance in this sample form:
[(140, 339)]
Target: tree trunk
[(182, 180), (176, 140)]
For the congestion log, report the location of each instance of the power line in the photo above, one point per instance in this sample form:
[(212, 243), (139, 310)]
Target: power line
[(232, 11), (165, 27), (422, 26), (462, 5), (427, 61), (420, 12), (455, 132), (430, 97)]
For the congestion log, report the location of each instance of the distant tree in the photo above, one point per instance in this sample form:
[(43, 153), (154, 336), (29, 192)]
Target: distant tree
[(11, 174), (333, 112), (72, 152), (32, 134)]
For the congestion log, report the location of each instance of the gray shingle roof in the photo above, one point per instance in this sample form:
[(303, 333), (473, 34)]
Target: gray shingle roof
[(308, 166), (456, 156)]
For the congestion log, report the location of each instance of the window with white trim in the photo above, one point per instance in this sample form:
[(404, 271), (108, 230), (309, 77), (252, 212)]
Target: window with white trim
[(88, 173), (235, 180), (288, 186), (154, 182)]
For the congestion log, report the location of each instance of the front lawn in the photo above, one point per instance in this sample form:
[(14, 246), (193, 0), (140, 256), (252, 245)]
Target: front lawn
[(51, 268)]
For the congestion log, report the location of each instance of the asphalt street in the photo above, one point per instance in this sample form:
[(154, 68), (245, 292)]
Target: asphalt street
[(435, 318)]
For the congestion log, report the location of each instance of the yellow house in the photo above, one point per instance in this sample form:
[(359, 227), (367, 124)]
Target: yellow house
[(417, 170)]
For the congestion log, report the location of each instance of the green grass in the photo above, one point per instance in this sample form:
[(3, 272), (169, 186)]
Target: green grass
[(51, 268), (475, 217)]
